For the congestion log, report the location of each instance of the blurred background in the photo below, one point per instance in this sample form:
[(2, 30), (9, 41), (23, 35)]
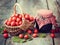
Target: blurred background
[(29, 6)]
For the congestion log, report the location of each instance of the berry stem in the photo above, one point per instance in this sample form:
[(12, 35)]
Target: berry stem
[(53, 41), (5, 42)]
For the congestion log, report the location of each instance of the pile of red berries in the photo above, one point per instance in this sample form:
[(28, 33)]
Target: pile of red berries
[(16, 19), (26, 36), (5, 34)]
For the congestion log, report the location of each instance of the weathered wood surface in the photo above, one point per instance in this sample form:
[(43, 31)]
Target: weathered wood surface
[(6, 9), (2, 40), (31, 6), (52, 4), (58, 7), (57, 42), (38, 41)]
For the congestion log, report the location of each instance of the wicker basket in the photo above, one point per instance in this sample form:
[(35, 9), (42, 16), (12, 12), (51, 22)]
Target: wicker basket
[(27, 25), (15, 30)]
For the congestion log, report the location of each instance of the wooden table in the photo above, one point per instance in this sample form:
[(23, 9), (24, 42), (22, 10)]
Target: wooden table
[(38, 41)]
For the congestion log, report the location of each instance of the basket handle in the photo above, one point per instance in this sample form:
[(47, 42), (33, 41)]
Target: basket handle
[(14, 7)]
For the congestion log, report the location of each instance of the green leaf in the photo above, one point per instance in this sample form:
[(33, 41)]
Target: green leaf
[(42, 35), (1, 29), (17, 39)]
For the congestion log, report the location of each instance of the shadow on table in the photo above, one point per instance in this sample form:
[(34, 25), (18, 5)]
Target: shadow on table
[(1, 39)]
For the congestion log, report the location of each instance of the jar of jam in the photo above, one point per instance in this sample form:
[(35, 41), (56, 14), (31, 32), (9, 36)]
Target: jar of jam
[(44, 20)]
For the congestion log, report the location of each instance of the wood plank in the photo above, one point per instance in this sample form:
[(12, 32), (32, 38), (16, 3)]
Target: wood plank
[(6, 9), (53, 6), (2, 40), (58, 6), (31, 6), (57, 41), (36, 41)]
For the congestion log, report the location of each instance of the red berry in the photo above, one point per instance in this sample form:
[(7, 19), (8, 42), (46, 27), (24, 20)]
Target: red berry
[(20, 16), (8, 23), (16, 15), (21, 35), (20, 22), (34, 35), (52, 35), (26, 16), (18, 19), (5, 35), (4, 31), (35, 31), (14, 18), (31, 18), (26, 36), (17, 24), (29, 31), (13, 23)]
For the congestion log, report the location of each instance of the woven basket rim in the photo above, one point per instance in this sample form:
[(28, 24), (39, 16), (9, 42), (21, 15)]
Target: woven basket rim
[(16, 26), (12, 26)]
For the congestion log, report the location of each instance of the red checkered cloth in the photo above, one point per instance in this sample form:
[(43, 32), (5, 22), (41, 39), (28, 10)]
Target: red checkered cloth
[(45, 18)]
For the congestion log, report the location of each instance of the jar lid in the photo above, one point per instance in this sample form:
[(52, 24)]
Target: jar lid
[(45, 13)]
